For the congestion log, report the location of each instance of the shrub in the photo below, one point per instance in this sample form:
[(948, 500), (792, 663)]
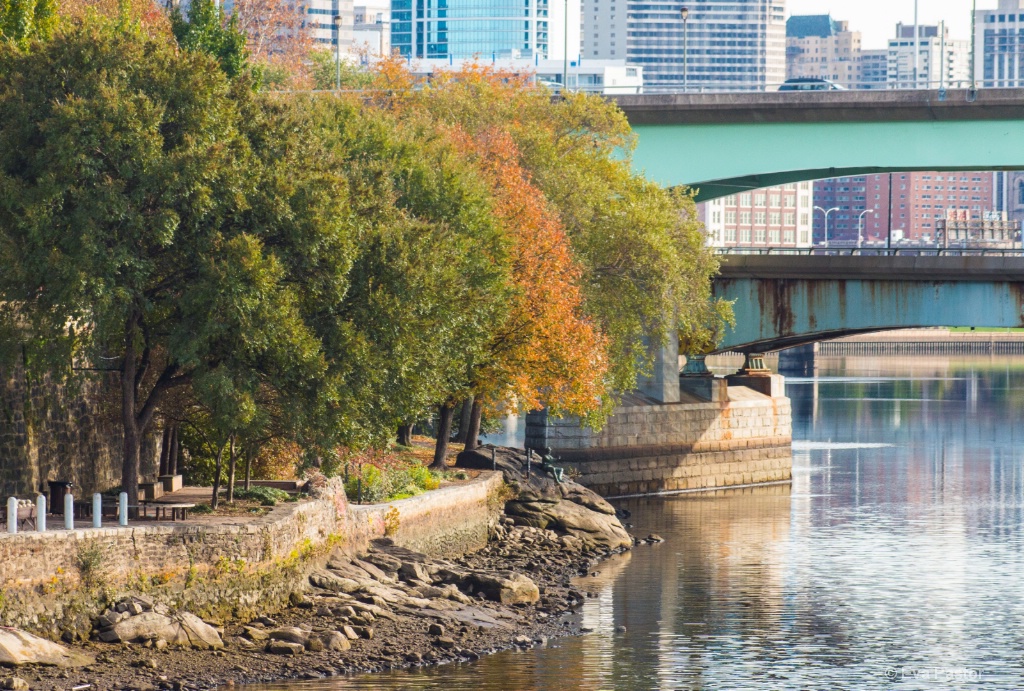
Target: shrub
[(267, 496), (389, 484)]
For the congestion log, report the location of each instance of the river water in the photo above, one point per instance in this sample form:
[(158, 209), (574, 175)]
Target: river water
[(895, 559)]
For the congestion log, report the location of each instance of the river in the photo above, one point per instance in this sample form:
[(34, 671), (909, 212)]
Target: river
[(895, 559)]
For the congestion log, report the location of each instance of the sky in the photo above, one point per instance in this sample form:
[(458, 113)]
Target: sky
[(876, 19)]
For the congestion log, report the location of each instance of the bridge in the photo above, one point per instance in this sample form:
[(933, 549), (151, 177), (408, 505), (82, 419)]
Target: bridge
[(721, 144), (790, 299)]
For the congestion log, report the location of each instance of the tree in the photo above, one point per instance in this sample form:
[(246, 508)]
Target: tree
[(645, 264), (128, 231), (204, 28), (21, 20)]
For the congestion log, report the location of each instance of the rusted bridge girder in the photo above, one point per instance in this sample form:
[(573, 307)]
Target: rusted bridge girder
[(782, 301)]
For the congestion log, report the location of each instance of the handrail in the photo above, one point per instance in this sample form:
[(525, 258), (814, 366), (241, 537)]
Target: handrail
[(874, 251)]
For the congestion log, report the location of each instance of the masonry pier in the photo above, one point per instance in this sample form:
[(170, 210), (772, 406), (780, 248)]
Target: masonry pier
[(698, 432)]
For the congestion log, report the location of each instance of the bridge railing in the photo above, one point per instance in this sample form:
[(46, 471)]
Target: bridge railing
[(876, 251)]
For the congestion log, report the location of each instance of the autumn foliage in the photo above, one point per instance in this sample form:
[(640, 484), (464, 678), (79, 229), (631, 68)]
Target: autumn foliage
[(546, 353)]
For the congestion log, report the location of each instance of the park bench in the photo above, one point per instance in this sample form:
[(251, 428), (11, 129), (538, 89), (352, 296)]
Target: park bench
[(26, 516), (161, 508)]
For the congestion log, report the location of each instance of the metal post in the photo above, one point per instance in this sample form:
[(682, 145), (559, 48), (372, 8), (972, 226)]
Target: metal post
[(974, 8), (565, 47), (122, 509), (97, 510), (337, 52), (685, 13), (12, 515), (917, 45), (41, 513), (69, 512)]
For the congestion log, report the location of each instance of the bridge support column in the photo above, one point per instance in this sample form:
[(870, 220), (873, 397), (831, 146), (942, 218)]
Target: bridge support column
[(755, 375), (663, 384), (799, 361), (696, 379)]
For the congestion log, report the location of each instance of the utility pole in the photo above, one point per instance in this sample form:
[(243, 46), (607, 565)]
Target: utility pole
[(565, 45), (917, 45), (974, 9), (337, 52)]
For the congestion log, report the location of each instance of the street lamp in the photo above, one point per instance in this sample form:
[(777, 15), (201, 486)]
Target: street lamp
[(860, 224), (337, 52), (684, 13), (834, 208)]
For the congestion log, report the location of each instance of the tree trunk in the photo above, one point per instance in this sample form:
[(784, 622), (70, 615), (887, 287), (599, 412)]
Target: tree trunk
[(405, 435), (473, 433), (129, 421), (464, 420), (231, 472), (165, 449), (216, 477), (444, 430), (172, 462), (248, 470)]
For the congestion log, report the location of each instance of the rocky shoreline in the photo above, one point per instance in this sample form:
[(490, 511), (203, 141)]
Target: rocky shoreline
[(388, 609)]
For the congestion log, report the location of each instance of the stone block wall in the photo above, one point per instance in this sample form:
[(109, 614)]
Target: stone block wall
[(55, 583), (51, 431), (743, 438)]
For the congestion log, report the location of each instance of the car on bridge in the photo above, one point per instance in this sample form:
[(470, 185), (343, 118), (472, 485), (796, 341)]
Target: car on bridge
[(810, 84)]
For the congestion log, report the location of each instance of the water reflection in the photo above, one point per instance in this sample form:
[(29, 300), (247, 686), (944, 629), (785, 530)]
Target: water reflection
[(897, 552)]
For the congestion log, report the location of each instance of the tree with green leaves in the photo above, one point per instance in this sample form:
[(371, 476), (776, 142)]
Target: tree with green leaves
[(204, 28), (22, 20), (134, 230)]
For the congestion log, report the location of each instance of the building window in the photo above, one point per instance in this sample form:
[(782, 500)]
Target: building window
[(730, 235), (787, 236), (745, 219), (759, 199), (789, 218), (773, 236), (745, 199), (774, 218), (759, 218), (730, 217), (745, 236), (774, 200)]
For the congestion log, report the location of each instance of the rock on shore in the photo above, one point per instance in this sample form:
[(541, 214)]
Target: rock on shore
[(567, 507), (20, 648), (138, 619)]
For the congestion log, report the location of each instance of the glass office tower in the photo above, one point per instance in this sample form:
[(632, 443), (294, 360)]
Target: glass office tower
[(485, 29)]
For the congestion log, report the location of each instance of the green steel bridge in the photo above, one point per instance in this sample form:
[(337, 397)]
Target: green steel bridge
[(720, 144)]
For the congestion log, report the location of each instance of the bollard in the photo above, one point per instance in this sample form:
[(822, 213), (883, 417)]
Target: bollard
[(12, 515), (97, 510), (41, 513), (69, 512), (122, 509)]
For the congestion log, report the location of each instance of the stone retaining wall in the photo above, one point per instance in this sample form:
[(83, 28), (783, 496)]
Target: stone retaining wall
[(741, 437), (54, 583)]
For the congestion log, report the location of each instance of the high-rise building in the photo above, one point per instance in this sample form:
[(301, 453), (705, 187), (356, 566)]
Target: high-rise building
[(874, 69), (486, 29), (777, 216), (941, 61), (920, 201), (999, 45), (371, 31), (320, 22), (820, 47), (722, 45)]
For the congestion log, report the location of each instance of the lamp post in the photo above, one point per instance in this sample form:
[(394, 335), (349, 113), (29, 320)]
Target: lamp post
[(565, 47), (834, 208), (860, 224), (337, 52), (684, 13)]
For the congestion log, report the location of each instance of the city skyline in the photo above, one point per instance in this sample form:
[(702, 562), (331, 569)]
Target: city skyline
[(877, 19)]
